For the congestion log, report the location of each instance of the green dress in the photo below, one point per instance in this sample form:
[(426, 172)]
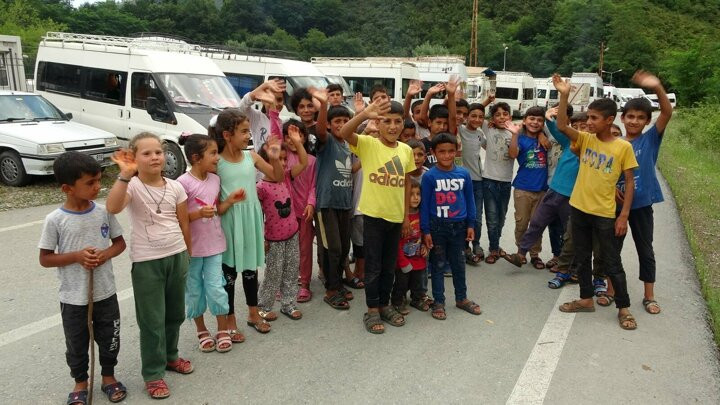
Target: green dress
[(243, 222)]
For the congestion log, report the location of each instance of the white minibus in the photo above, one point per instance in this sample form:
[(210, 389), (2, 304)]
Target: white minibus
[(594, 83), (546, 93), (517, 89)]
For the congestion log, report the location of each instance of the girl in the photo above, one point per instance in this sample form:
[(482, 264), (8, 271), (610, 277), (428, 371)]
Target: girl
[(205, 279), (242, 222), (159, 250), (281, 234)]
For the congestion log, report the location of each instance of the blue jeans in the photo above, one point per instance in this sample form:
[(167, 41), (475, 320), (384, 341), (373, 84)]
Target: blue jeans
[(204, 288), (496, 195), (478, 194), (448, 243)]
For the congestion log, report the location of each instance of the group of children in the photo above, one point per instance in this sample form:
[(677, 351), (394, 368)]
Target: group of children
[(404, 185)]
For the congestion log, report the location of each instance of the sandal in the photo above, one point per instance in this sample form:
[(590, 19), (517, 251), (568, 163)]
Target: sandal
[(180, 365), (559, 280), (574, 306), (371, 321), (607, 300), (627, 318), (516, 259), (304, 295), (438, 311), (354, 282), (268, 315), (77, 397), (204, 337), (537, 262), (478, 251), (236, 336), (469, 306), (347, 294), (224, 343), (263, 326), (391, 316), (111, 390), (552, 263), (402, 309), (420, 305), (600, 286), (337, 301), (651, 303), (153, 387), (472, 258), (291, 312)]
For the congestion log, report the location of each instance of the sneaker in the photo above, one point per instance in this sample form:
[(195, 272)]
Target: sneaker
[(600, 286)]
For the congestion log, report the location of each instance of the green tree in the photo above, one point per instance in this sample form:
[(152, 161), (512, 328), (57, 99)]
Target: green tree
[(20, 18)]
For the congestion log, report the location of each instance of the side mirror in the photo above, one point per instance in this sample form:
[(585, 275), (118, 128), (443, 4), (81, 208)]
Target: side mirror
[(158, 110), (69, 116)]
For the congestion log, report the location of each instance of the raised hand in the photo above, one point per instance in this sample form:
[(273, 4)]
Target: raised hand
[(125, 159), (511, 126), (646, 80), (275, 85), (436, 89), (414, 88), (294, 135), (562, 86), (318, 94), (453, 84), (377, 110), (273, 148), (266, 97), (551, 113), (358, 103)]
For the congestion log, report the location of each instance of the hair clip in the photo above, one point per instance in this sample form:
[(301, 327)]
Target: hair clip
[(213, 121)]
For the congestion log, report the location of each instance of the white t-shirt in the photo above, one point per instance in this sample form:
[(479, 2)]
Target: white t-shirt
[(498, 164)]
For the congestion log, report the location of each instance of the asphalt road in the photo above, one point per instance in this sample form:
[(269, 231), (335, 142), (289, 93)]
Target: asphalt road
[(520, 350)]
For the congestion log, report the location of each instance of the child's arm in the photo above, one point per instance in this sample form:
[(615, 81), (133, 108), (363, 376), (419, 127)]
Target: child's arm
[(451, 87), (621, 222), (402, 261), (118, 198), (424, 119), (234, 197), (513, 149), (649, 81), (86, 258), (414, 89), (563, 88), (372, 111), (321, 97), (490, 98), (118, 246), (272, 170), (268, 87), (275, 124), (206, 211), (294, 134), (309, 212), (181, 212)]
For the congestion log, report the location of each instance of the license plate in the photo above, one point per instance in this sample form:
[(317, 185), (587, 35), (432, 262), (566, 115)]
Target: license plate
[(99, 157)]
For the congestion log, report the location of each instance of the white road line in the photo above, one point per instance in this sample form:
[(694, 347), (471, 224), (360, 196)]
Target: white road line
[(534, 381), (25, 225), (45, 324)]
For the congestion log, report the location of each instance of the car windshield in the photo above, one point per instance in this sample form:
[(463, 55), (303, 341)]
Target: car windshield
[(14, 107), (199, 91), (298, 82), (339, 80)]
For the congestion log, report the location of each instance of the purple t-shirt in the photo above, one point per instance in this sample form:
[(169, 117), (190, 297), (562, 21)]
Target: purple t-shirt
[(280, 220), (206, 234)]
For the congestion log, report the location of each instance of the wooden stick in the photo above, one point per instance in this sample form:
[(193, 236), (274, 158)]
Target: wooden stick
[(92, 336)]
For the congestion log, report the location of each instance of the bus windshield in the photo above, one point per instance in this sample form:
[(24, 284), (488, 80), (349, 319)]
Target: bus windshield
[(199, 91)]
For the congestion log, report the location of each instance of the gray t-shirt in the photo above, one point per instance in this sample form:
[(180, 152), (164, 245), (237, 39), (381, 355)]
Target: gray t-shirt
[(472, 142), (334, 175), (498, 164), (70, 231)]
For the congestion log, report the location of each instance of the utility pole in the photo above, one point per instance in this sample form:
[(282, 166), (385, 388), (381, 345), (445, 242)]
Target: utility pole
[(473, 35), (602, 58)]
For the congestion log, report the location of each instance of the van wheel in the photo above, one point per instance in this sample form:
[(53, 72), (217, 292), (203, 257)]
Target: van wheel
[(12, 171), (174, 161)]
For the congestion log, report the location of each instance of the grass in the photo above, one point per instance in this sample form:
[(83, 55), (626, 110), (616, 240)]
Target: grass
[(691, 168)]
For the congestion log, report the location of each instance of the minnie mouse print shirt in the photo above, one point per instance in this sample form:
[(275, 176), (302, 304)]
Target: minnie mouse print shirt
[(280, 221)]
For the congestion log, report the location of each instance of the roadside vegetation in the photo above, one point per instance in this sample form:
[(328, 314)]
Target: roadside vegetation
[(689, 162)]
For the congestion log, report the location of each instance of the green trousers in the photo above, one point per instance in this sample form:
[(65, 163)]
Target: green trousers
[(159, 289)]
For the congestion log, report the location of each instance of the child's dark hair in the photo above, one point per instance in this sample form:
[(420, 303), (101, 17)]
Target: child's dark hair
[(462, 103), (605, 106), (438, 111), (301, 127), (195, 146), (70, 166), (444, 137), (639, 104), (415, 104), (414, 183), (227, 120), (334, 87), (581, 116), (338, 111), (502, 105), (535, 111), (414, 144), (616, 126), (396, 108), (298, 96), (263, 152), (378, 88), (569, 110), (408, 124), (476, 106)]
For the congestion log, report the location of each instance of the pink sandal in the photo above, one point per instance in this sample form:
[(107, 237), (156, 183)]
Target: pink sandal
[(304, 295)]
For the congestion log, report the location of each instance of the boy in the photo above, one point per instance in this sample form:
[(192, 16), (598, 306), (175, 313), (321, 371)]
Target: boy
[(447, 220), (86, 238), (413, 111), (635, 116), (384, 203), (335, 95), (378, 93), (408, 132), (530, 182), (602, 159)]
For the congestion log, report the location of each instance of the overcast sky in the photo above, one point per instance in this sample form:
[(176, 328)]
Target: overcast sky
[(77, 3)]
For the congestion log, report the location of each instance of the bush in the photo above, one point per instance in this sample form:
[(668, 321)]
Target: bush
[(700, 126)]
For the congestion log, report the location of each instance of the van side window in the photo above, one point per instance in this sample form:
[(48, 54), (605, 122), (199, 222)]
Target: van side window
[(592, 91), (425, 87), (142, 86), (507, 93), (107, 86), (528, 94), (243, 84), (59, 78), (365, 84)]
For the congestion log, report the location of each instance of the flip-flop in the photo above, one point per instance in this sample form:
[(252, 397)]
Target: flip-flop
[(257, 327), (651, 303), (77, 397), (574, 306), (609, 300), (627, 318), (111, 389)]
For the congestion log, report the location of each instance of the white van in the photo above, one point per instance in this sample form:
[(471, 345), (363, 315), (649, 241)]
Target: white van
[(546, 93), (362, 74), (33, 132), (673, 99), (594, 83), (612, 93), (628, 93), (130, 85), (517, 89)]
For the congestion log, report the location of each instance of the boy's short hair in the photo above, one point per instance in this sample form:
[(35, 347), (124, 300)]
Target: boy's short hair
[(396, 108), (461, 103), (476, 106), (414, 144), (334, 87), (535, 111), (438, 111), (495, 107), (581, 116), (415, 104), (299, 95), (639, 104), (569, 110), (444, 137), (378, 88), (408, 124), (605, 106), (338, 111), (70, 166)]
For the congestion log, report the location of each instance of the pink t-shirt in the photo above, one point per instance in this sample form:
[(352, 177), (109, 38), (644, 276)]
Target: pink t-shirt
[(280, 221), (206, 234), (154, 235), (302, 187)]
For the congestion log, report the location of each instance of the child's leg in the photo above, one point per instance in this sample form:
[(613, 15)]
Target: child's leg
[(356, 238), (213, 282), (400, 287), (288, 283), (492, 215), (250, 287), (330, 237), (642, 225), (582, 225), (504, 188), (77, 339), (230, 276), (306, 251), (440, 233), (194, 291), (274, 261), (609, 253), (390, 241), (478, 195), (454, 254), (345, 228), (543, 215), (415, 280), (555, 231), (567, 253), (523, 211), (380, 239), (106, 328), (175, 302)]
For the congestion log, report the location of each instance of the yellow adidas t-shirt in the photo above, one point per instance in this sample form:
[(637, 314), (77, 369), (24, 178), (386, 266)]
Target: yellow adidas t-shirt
[(384, 168), (601, 165)]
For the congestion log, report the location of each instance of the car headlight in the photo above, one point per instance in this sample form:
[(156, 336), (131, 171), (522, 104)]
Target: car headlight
[(111, 141), (50, 148)]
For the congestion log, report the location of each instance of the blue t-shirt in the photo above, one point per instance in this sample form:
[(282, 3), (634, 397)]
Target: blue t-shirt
[(447, 195), (532, 158), (334, 175), (568, 164), (647, 187)]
